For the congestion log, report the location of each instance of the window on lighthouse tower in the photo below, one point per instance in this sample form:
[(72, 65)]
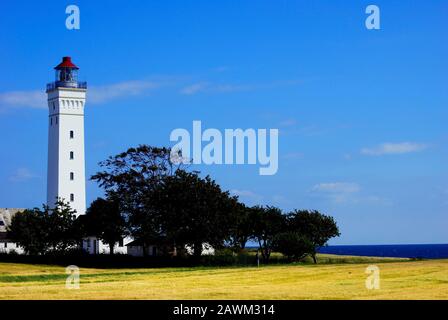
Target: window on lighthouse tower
[(72, 197), (72, 155)]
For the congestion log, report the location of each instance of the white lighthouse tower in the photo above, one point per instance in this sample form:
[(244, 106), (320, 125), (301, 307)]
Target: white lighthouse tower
[(66, 167)]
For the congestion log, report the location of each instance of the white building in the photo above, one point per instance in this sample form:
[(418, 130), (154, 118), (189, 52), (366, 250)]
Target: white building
[(66, 164), (66, 161), (6, 244), (95, 246), (136, 249)]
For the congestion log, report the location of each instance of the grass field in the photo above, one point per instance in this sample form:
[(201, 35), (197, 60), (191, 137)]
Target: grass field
[(337, 278)]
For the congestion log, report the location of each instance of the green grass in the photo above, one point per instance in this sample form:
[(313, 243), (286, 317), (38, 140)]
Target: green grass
[(336, 277)]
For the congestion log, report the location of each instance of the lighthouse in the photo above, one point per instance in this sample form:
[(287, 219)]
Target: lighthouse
[(66, 163)]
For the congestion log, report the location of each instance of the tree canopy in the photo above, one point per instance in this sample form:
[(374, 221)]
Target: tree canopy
[(318, 228), (158, 202), (195, 210), (268, 222), (103, 219), (47, 230), (130, 179)]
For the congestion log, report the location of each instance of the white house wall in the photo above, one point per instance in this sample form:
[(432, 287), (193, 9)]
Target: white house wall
[(66, 113)]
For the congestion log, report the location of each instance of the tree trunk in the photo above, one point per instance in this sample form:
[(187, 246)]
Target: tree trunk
[(261, 249), (197, 249), (243, 243), (267, 254), (265, 251), (314, 258), (111, 247), (174, 254)]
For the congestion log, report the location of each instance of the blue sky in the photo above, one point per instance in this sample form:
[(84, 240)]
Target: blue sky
[(361, 113)]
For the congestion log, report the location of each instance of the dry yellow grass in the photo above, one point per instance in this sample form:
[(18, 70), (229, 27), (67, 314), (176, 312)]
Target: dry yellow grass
[(399, 280)]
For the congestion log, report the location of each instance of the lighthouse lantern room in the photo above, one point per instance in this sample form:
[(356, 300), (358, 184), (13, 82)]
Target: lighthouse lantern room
[(66, 167)]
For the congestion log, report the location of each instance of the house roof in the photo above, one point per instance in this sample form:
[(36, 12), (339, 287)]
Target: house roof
[(138, 242), (66, 63), (6, 215), (135, 243)]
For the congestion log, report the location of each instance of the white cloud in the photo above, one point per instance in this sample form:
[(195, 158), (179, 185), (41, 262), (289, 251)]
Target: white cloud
[(288, 122), (101, 94), (280, 200), (23, 99), (337, 187), (375, 200), (95, 95), (246, 194), (194, 88), (224, 88), (394, 148), (293, 156), (347, 193), (230, 88), (207, 87), (338, 192), (22, 174), (312, 130)]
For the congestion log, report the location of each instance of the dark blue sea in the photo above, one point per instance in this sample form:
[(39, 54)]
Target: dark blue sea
[(426, 251)]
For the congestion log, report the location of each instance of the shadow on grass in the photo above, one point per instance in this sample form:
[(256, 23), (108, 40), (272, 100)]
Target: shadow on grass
[(221, 259)]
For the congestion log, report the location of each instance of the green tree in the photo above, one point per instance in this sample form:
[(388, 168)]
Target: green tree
[(195, 210), (242, 227), (293, 245), (313, 225), (29, 231), (268, 222), (104, 220), (129, 178), (61, 226), (48, 230)]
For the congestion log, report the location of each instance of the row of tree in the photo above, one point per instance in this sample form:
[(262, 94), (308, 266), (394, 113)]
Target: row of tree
[(151, 199), (295, 234), (57, 230)]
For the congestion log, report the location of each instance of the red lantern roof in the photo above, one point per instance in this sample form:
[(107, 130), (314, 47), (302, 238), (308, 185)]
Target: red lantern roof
[(66, 63)]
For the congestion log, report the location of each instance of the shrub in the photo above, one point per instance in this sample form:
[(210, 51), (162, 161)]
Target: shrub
[(293, 245)]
